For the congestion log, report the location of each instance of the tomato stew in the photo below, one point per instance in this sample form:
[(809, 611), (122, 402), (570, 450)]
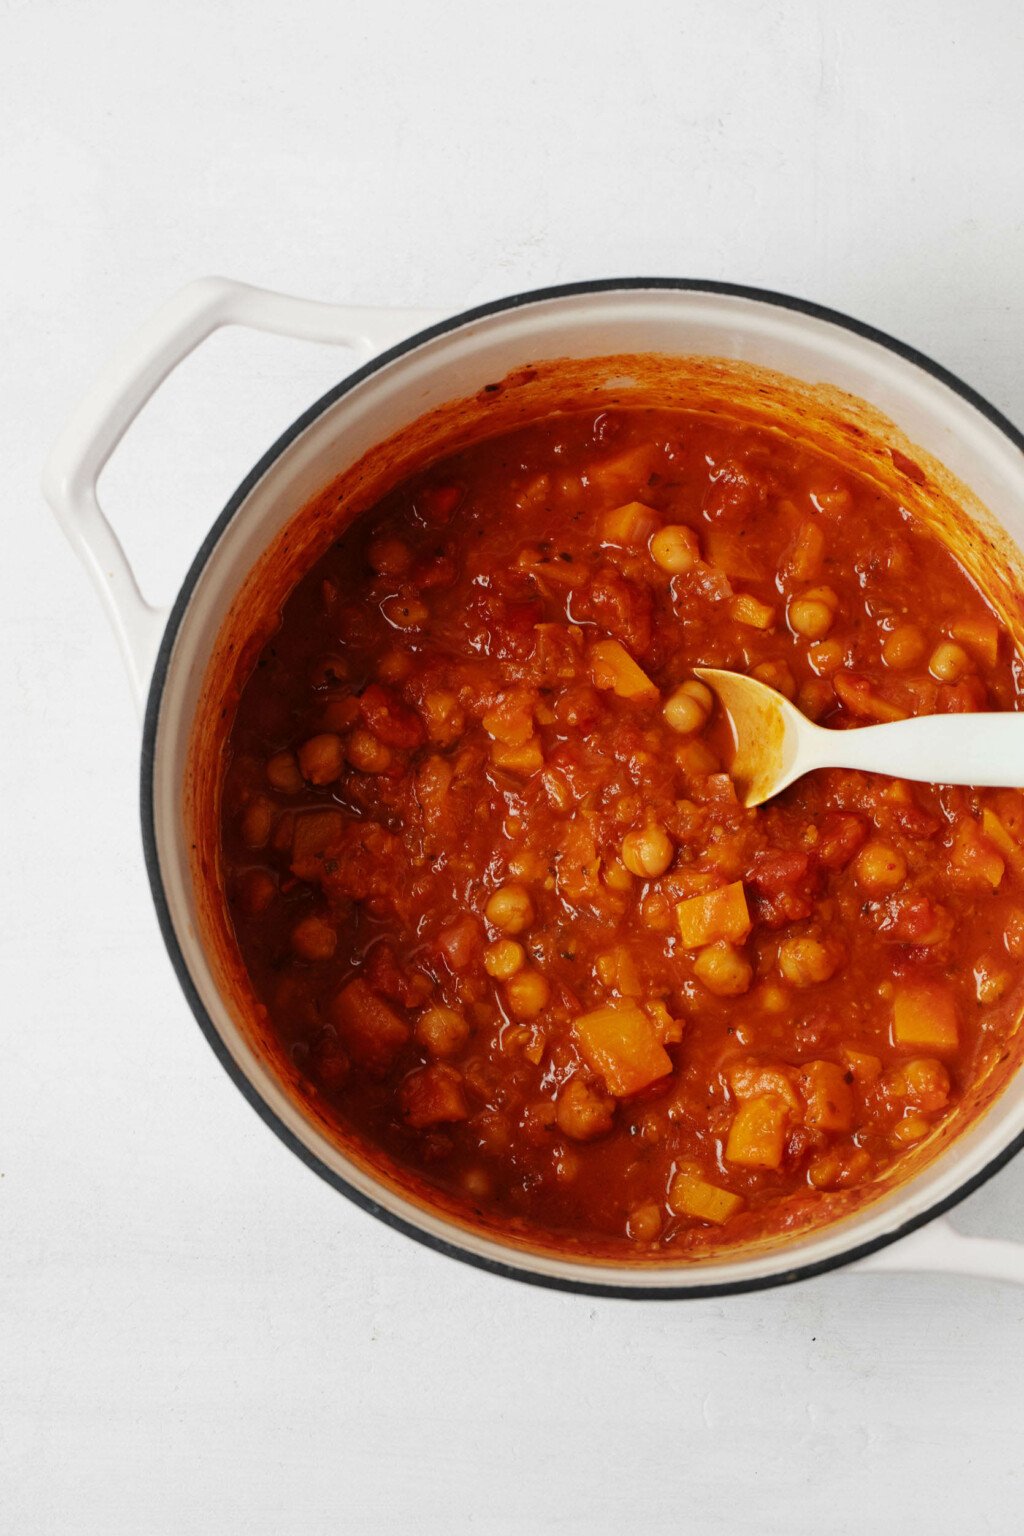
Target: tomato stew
[(494, 889)]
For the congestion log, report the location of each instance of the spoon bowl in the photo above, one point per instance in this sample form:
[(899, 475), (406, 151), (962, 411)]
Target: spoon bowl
[(775, 744)]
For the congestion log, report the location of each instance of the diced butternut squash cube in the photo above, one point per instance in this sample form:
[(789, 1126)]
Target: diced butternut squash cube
[(862, 1064), (980, 636), (924, 1015), (690, 1195), (757, 1136), (714, 915), (997, 832), (827, 1095), (629, 524), (728, 551), (622, 1046), (616, 970), (372, 1032), (432, 1096), (621, 473), (611, 666)]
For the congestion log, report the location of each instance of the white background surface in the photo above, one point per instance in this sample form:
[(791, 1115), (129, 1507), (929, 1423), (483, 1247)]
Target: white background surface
[(195, 1334)]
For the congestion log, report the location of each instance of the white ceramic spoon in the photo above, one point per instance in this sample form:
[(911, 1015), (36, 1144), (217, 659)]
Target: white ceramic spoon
[(776, 744)]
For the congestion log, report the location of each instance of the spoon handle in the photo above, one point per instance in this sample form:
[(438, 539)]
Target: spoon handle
[(937, 749)]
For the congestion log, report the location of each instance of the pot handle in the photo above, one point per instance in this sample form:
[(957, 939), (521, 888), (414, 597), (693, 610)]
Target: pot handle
[(120, 391), (939, 1248)]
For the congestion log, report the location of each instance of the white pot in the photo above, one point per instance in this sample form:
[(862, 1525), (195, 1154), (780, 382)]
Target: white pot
[(444, 360)]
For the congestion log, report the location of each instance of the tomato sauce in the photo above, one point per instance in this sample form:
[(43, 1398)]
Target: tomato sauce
[(491, 880)]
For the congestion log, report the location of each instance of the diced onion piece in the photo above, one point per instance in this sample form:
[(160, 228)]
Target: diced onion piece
[(855, 693), (996, 830), (980, 636), (524, 760), (751, 611)]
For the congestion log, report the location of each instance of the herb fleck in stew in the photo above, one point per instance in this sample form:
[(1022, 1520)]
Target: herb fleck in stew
[(492, 883)]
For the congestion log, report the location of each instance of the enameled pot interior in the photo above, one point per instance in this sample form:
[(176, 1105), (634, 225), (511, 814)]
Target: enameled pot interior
[(692, 349)]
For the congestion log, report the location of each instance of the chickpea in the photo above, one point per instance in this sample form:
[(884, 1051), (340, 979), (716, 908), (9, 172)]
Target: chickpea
[(701, 692), (675, 548), (648, 852), (366, 753), (582, 1114), (777, 675), (815, 696), (257, 822), (948, 662), (510, 909), (826, 657), (527, 994), (812, 615), (405, 612), (687, 708), (313, 938), (504, 958), (256, 890), (903, 648), (991, 981), (283, 773), (389, 557), (910, 1128), (478, 1184), (879, 867), (441, 1031), (643, 1224), (322, 758), (773, 999), (804, 961), (723, 970)]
